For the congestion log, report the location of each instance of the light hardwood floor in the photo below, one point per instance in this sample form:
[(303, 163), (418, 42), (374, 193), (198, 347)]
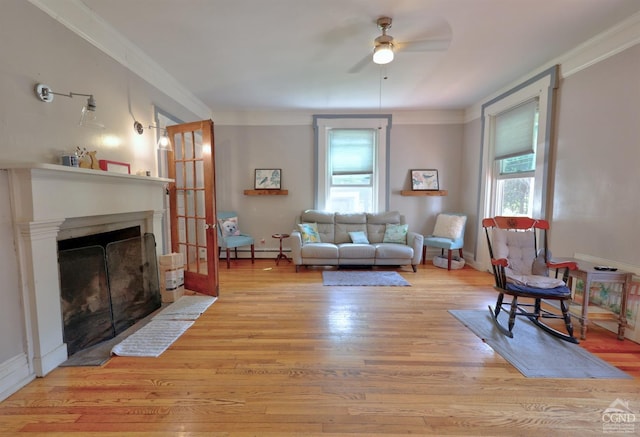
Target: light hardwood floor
[(279, 354)]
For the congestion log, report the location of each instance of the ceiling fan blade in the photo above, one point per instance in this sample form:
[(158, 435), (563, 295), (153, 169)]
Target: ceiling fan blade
[(361, 64), (426, 45)]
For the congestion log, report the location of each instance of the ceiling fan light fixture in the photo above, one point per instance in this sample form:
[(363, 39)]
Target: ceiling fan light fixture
[(383, 53)]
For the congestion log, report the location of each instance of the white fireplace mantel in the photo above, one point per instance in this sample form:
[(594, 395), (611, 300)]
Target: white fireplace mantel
[(46, 198)]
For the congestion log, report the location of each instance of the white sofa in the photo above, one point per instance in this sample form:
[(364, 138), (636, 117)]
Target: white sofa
[(337, 249)]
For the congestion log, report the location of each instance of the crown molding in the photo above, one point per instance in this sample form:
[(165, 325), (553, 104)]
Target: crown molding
[(305, 118), (77, 17), (620, 37)]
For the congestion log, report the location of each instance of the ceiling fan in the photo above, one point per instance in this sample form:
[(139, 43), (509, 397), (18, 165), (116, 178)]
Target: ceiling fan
[(385, 46)]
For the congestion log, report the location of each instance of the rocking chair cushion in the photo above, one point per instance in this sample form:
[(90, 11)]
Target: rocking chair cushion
[(535, 281), (562, 291)]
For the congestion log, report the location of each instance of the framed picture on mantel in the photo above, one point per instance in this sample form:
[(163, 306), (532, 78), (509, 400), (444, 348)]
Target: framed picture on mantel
[(422, 180), (268, 179)]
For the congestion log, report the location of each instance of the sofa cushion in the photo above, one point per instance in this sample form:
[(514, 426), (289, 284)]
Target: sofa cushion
[(395, 234), (309, 233), (358, 237), (377, 224), (393, 251), (325, 222), (320, 251), (357, 251), (345, 223)]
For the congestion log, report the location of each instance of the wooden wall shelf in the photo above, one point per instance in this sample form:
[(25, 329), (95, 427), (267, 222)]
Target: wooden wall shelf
[(424, 193), (266, 192)]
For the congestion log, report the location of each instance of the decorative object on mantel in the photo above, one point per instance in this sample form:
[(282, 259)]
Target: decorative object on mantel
[(116, 167), (87, 159), (69, 159), (268, 179), (424, 180)]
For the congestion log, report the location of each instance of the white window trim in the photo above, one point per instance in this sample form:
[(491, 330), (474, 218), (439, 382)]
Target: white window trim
[(543, 88), (323, 123)]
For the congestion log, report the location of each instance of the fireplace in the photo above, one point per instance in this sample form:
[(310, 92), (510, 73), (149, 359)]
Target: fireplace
[(51, 203), (108, 281)]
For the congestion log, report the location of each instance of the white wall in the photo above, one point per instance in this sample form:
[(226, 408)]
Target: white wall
[(242, 149), (36, 48), (595, 175), (596, 199)]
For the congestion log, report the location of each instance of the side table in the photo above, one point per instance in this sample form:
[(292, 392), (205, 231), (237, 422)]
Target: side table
[(588, 273), (281, 255)]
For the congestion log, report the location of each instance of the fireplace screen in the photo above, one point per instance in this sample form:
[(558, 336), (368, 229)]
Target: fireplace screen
[(107, 288)]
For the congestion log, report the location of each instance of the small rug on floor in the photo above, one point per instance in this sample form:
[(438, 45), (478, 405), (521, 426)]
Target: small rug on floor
[(350, 277), (153, 339), (535, 353), (186, 308)]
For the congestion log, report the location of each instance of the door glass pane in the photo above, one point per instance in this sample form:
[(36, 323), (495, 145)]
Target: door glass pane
[(179, 175), (182, 233), (188, 146), (198, 151), (177, 152), (199, 182), (200, 211)]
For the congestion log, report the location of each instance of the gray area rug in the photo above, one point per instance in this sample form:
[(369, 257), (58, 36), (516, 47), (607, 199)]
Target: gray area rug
[(535, 353), (350, 277)]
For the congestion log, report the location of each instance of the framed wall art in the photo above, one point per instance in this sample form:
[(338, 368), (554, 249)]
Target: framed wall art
[(268, 179), (422, 180)]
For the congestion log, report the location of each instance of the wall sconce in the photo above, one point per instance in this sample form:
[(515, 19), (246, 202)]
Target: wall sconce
[(163, 141), (88, 115)]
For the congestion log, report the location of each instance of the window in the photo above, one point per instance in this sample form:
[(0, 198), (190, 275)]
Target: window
[(352, 168), (351, 161), (516, 131), (516, 138)]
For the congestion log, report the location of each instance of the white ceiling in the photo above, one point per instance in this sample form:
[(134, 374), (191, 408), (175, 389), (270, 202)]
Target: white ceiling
[(237, 55)]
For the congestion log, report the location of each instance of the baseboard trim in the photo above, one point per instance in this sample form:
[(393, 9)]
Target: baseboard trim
[(14, 374)]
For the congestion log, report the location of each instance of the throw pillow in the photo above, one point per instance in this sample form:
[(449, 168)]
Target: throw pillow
[(358, 237), (229, 227), (449, 226), (395, 234), (309, 232)]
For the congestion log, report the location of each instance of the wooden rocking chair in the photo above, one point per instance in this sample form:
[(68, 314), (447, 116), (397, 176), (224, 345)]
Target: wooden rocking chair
[(521, 271)]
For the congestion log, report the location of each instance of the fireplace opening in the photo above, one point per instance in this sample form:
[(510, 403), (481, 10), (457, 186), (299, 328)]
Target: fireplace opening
[(108, 281)]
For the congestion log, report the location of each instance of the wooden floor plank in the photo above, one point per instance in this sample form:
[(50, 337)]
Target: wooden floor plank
[(279, 354)]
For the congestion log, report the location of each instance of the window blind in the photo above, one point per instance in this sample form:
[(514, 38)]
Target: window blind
[(514, 130), (351, 151)]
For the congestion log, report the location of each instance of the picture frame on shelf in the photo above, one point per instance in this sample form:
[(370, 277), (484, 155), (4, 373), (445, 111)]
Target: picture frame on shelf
[(425, 180), (268, 179)]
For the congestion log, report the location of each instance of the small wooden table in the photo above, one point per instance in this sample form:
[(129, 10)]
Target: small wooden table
[(588, 273), (281, 255)]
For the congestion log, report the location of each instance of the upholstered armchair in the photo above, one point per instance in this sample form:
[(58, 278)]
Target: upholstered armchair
[(448, 234), (230, 237)]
